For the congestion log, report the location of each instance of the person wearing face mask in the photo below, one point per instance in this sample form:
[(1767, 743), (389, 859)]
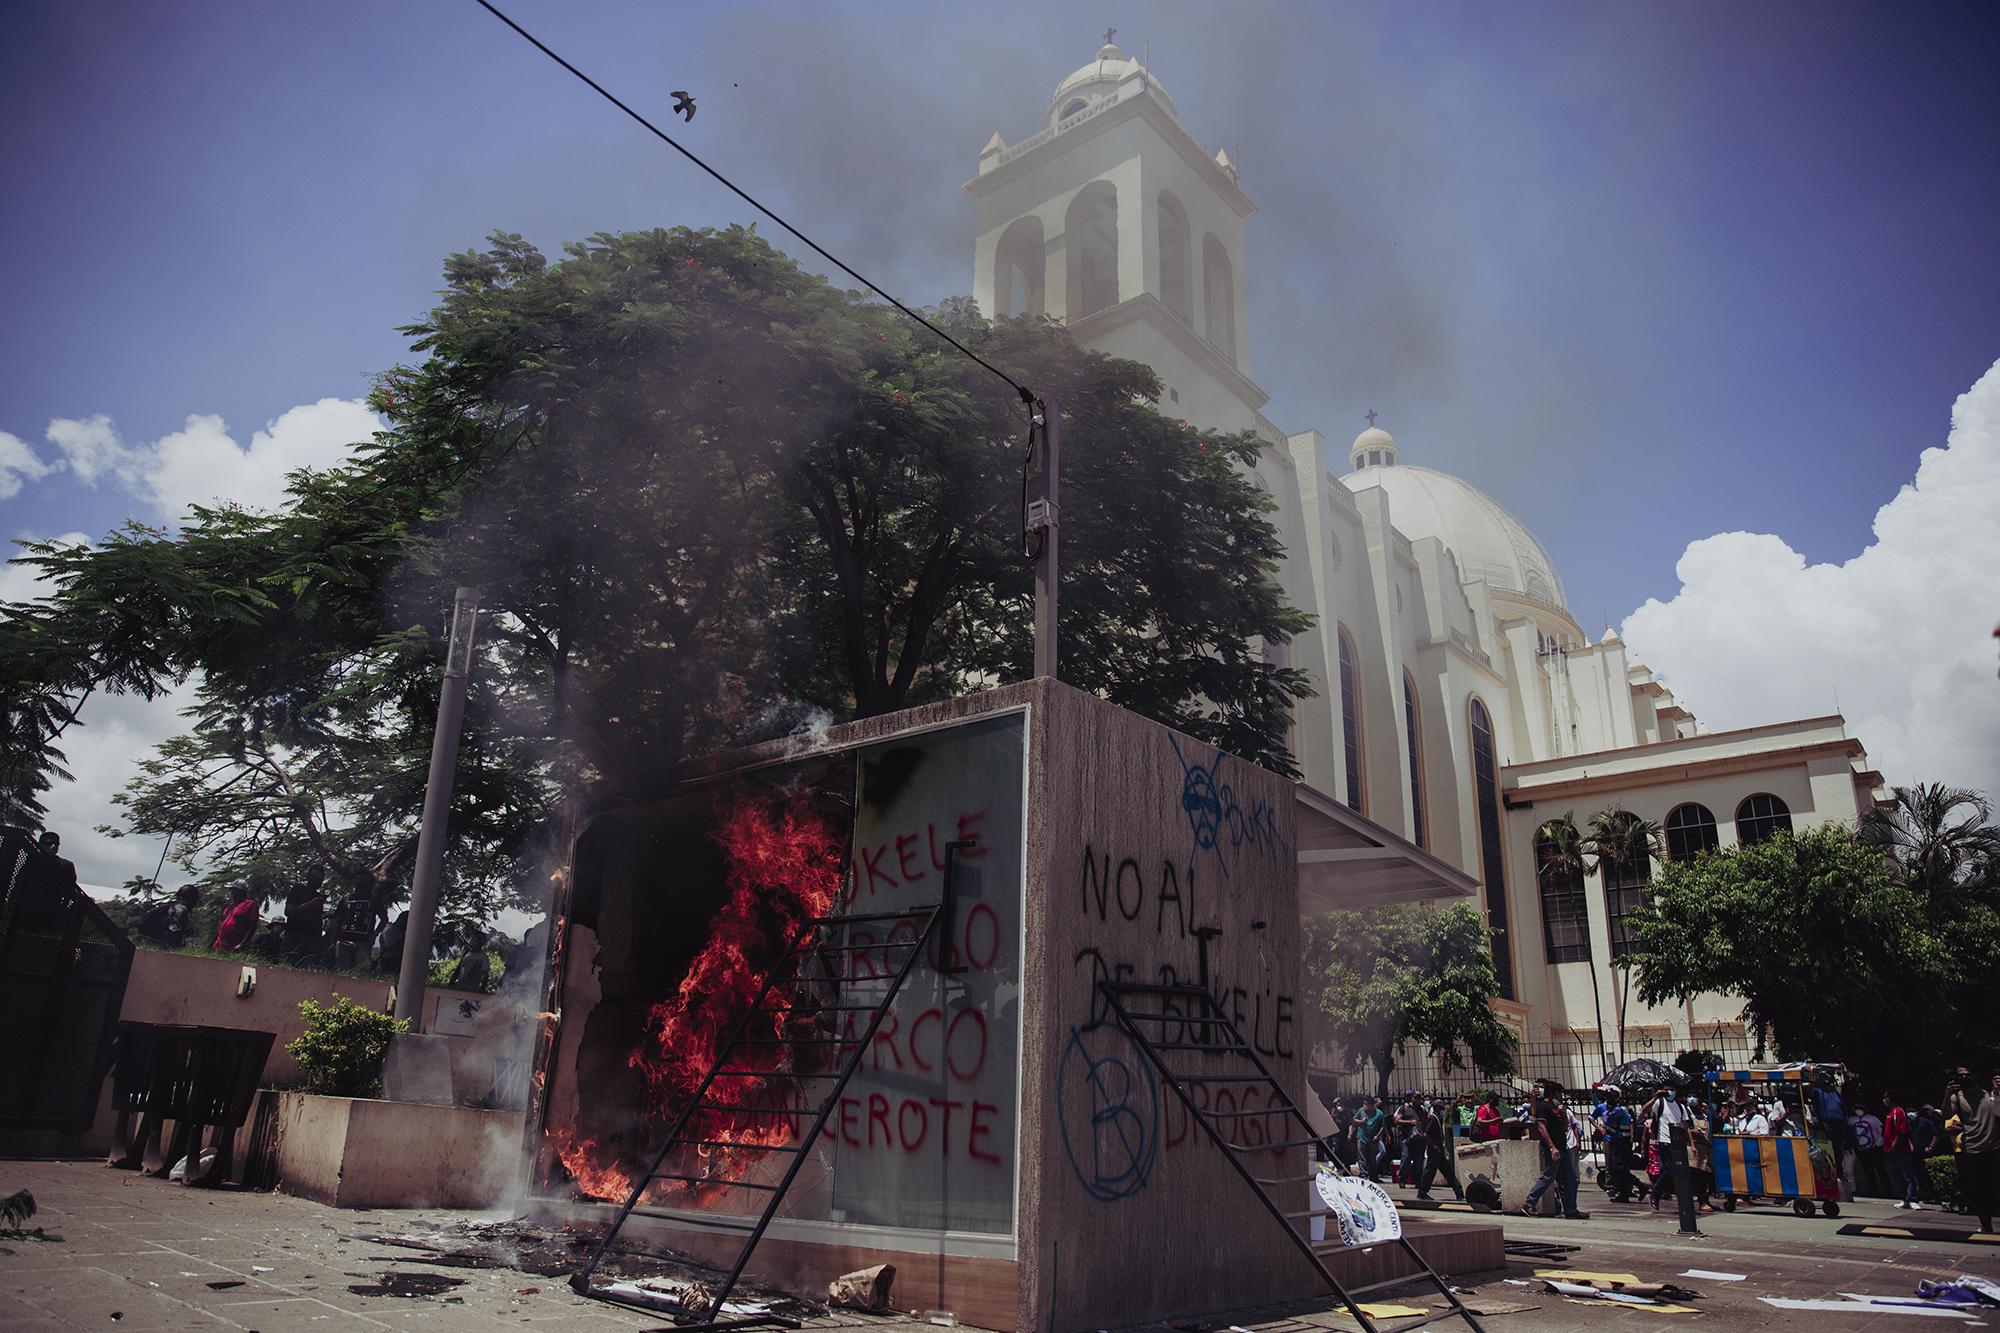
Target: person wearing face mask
[(1666, 1114)]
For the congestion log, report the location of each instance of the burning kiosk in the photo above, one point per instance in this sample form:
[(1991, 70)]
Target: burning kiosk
[(1018, 874)]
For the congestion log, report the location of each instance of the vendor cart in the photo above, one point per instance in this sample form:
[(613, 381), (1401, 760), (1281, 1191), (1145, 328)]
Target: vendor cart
[(1800, 1167)]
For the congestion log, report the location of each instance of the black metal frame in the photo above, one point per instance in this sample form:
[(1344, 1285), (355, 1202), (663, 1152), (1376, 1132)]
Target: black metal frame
[(1211, 1018), (799, 947), (77, 907)]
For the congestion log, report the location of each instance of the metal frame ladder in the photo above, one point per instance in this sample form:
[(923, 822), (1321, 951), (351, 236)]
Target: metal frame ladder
[(1187, 1024), (806, 965)]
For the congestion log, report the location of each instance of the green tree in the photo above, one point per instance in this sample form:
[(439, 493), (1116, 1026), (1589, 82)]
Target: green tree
[(1834, 958), (1384, 976), (700, 489)]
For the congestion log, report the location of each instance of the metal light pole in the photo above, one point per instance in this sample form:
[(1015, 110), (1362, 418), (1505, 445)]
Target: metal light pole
[(1042, 518), (437, 806)]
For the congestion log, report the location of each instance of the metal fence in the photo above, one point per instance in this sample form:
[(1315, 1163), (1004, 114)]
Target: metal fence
[(1574, 1062)]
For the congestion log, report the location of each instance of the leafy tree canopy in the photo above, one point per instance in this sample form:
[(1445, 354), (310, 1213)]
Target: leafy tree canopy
[(1839, 954), (702, 491), (1383, 976)]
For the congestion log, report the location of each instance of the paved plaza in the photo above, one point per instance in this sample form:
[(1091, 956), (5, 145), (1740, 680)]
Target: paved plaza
[(140, 1254)]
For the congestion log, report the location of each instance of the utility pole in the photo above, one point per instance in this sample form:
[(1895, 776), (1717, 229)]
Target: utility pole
[(437, 807), (1042, 519)]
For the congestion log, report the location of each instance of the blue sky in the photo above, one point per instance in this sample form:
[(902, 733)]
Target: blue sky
[(1647, 272)]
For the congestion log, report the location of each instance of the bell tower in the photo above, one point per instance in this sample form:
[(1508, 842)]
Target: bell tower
[(1114, 220)]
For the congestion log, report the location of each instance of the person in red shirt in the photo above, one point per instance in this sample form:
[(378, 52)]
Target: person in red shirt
[(1902, 1151), (1486, 1120), (239, 919)]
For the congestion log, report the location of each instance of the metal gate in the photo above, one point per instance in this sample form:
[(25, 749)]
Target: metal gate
[(63, 967)]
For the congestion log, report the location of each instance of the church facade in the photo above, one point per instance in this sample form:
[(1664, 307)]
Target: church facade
[(1459, 702)]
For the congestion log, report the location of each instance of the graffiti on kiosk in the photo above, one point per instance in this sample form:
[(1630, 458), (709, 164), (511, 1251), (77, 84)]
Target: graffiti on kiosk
[(1108, 1110), (1219, 823)]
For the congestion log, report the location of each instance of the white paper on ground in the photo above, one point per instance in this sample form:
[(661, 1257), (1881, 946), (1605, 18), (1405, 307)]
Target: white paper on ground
[(1870, 1307), (1714, 1277)]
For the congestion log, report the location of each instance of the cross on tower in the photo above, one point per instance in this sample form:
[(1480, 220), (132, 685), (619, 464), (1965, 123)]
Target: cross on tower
[(1370, 414), (1109, 35)]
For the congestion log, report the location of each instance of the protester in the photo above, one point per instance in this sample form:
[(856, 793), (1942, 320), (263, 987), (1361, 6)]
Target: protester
[(305, 914), (1616, 1120), (1979, 1142), (1871, 1170), (239, 919), (475, 969), (1900, 1152), (1552, 1129), (390, 961), (166, 923), (1343, 1133), (1436, 1152), (1666, 1114), (353, 931), (1486, 1120), (269, 942), (1404, 1125), (1368, 1128)]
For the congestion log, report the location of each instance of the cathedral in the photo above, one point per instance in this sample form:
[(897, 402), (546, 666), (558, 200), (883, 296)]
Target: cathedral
[(1460, 706)]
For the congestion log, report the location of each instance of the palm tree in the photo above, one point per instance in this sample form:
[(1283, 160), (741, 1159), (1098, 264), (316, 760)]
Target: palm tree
[(1627, 843), (1562, 859), (1936, 837)]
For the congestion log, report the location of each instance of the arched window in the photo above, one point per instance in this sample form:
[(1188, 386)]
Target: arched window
[(1019, 266), (1218, 297), (1076, 104), (1690, 831), (1176, 258), (1091, 229), (1565, 918), (1350, 718), (1492, 861), (1759, 817), (1624, 890), (1413, 733)]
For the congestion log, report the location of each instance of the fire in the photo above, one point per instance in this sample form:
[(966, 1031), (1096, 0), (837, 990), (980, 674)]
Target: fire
[(785, 864), (579, 1158)]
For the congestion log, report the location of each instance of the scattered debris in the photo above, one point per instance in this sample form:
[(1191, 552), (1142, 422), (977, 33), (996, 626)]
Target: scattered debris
[(1622, 1288), (16, 1208), (529, 1291), (260, 1268), (865, 1289), (1869, 1305), (410, 1285), (1708, 1276), (1538, 1249), (1963, 1290), (226, 1284)]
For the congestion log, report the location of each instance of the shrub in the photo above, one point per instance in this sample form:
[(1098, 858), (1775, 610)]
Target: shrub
[(343, 1047), (1941, 1179)]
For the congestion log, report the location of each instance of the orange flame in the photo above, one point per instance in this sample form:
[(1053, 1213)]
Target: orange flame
[(785, 865)]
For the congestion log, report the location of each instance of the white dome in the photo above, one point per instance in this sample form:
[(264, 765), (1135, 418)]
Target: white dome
[(1099, 80), (1490, 543)]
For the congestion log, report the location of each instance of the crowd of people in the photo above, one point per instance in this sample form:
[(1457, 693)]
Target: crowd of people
[(356, 935), (1879, 1144)]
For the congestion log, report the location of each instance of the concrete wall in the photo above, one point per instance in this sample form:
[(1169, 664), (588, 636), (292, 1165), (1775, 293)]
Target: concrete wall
[(375, 1154), (1122, 1199), (198, 989)]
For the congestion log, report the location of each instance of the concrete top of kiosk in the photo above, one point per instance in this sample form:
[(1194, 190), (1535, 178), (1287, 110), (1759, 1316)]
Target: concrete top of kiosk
[(1347, 861)]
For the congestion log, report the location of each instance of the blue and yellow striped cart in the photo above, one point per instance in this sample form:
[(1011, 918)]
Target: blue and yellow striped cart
[(1799, 1167)]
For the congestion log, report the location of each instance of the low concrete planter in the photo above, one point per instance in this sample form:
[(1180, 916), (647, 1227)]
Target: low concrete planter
[(356, 1153)]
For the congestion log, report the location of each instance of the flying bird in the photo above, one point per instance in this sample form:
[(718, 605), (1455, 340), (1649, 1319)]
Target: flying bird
[(683, 105)]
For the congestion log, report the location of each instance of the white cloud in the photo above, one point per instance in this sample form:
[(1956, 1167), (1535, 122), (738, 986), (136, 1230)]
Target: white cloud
[(21, 583), (201, 463), (1902, 632), (18, 463), (103, 750)]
